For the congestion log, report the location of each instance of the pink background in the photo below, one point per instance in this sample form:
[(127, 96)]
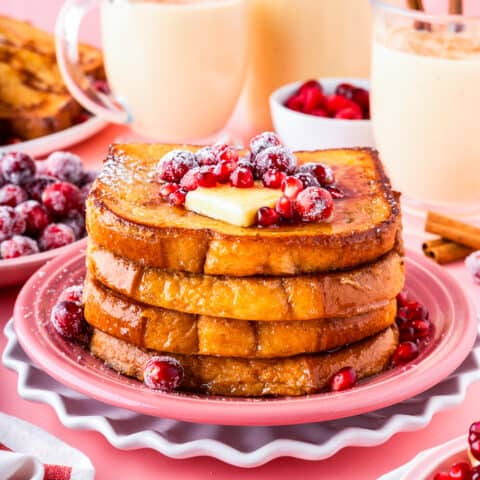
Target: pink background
[(358, 463)]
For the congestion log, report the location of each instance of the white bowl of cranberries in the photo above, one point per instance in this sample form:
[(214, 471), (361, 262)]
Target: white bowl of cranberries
[(326, 113), (42, 210)]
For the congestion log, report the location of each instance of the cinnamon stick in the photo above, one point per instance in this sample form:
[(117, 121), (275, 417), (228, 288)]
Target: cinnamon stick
[(455, 7), (454, 230), (444, 251), (415, 4)]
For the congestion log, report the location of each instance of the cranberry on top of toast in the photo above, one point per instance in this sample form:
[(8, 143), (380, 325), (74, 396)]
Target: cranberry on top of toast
[(303, 191)]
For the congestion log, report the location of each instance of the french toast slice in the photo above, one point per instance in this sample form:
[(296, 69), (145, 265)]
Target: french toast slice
[(169, 331), (126, 216), (306, 297), (293, 376), (33, 98)]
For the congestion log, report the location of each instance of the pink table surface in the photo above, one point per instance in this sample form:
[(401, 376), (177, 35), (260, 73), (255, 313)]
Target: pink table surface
[(110, 463), (359, 463)]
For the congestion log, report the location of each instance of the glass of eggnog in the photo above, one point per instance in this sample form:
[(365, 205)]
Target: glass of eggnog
[(425, 105), (175, 67)]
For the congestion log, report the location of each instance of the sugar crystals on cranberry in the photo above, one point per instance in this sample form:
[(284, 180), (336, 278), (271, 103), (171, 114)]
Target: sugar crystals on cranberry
[(163, 373), (175, 164), (262, 141), (18, 168), (278, 157)]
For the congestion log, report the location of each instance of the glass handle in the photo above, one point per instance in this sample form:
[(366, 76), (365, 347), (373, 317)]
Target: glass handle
[(80, 86)]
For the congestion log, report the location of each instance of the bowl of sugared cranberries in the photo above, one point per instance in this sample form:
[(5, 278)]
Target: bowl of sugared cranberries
[(326, 113), (42, 210)]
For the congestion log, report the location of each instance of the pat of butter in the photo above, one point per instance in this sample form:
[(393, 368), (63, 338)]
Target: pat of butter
[(237, 206)]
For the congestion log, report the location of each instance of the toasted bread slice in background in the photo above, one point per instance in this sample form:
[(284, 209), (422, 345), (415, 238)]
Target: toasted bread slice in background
[(170, 331), (306, 297), (126, 216), (33, 98), (300, 375)]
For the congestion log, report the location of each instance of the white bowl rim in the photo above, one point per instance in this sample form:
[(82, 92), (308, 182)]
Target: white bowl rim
[(276, 98)]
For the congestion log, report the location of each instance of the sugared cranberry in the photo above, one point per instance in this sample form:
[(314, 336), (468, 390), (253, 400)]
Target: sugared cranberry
[(206, 177), (335, 192), (344, 379), (246, 161), (285, 207), (345, 90), (242, 177), (18, 246), (8, 219), (88, 177), (404, 353), (224, 169), (163, 373), (56, 235), (476, 473), (65, 166), (460, 471), (175, 164), (278, 158), (62, 197), (322, 172), (225, 152), (177, 198), (310, 85), (12, 195), (291, 187), (262, 141), (72, 294), (36, 187), (189, 181), (18, 168), (206, 156), (267, 216), (472, 262), (76, 221), (307, 179), (349, 113), (35, 214), (68, 320), (167, 188), (273, 178), (315, 204)]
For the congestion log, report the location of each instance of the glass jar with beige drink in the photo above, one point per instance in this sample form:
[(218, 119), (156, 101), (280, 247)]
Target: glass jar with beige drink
[(176, 67), (426, 104)]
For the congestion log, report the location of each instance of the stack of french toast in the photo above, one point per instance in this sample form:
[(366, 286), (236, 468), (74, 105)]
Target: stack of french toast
[(247, 311), (34, 101)]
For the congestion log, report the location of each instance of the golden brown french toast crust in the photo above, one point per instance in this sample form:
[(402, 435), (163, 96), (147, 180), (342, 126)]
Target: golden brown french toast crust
[(305, 297), (293, 376), (170, 331), (126, 216)]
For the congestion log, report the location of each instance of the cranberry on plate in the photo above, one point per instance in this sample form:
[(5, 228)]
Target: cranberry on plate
[(18, 246), (68, 320), (56, 235), (62, 197), (65, 166), (163, 373)]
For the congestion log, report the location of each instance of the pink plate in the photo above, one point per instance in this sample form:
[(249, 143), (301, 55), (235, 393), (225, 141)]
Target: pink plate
[(16, 271), (451, 311)]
